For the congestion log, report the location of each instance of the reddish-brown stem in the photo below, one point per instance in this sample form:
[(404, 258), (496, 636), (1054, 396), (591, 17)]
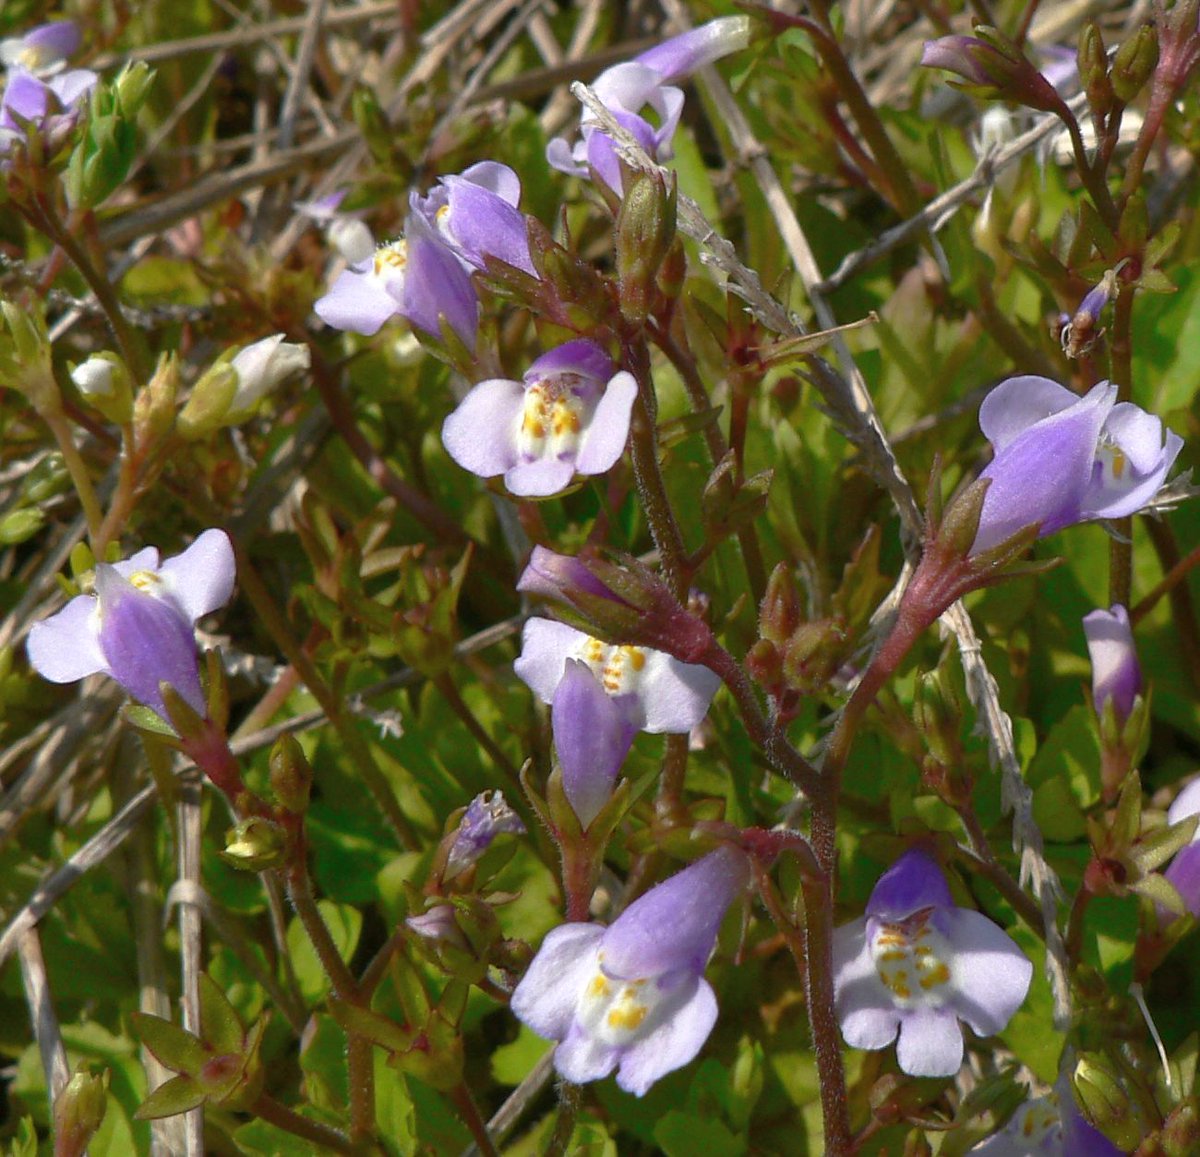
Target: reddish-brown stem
[(461, 1096), (266, 1108)]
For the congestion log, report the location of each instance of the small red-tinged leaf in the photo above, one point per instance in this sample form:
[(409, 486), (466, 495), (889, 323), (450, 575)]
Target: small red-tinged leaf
[(178, 1095), (174, 1047), (221, 1026)]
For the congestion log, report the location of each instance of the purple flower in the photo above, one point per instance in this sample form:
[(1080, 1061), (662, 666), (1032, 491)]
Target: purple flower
[(1183, 873), (42, 50), (1061, 459), (416, 277), (1000, 70), (1116, 676), (487, 816), (51, 106), (632, 996), (917, 964), (1049, 1126), (670, 696), (593, 732), (138, 626), (570, 415), (476, 214), (626, 89)]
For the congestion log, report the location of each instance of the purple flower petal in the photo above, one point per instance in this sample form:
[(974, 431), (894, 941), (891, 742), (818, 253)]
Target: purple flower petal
[(545, 648), (930, 1044), (549, 991), (436, 285), (1186, 803), (65, 647), (1116, 674), (487, 816), (201, 579), (915, 881), (1132, 463), (580, 356), (675, 695), (682, 55), (604, 440), (1183, 874), (681, 1028), (497, 179), (485, 225), (1017, 403), (674, 926), (540, 477), (357, 302), (1043, 475), (480, 435), (146, 641), (583, 1057), (593, 732), (990, 975)]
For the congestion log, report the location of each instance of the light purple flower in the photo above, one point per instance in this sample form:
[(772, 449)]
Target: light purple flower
[(917, 964), (138, 626), (629, 88), (593, 732), (1183, 872), (1116, 675), (476, 214), (487, 816), (1049, 1126), (1061, 459), (632, 996), (42, 50), (570, 415), (52, 106), (344, 231), (416, 277), (670, 696)]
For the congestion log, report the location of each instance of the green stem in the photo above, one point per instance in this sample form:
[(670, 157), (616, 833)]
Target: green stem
[(1120, 562), (446, 685), (78, 470), (123, 497), (357, 749), (461, 1096), (268, 1109), (668, 806), (570, 1098)]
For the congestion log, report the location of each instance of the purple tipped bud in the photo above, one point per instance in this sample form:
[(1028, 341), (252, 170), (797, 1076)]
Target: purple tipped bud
[(487, 816), (1116, 675)]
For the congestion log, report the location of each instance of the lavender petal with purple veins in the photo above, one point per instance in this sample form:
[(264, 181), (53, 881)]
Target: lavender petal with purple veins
[(137, 628), (1061, 459), (487, 816), (570, 415), (593, 732), (915, 965), (1116, 675), (632, 997)]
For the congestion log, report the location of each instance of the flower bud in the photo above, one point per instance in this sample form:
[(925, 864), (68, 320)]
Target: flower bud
[(104, 383), (210, 400), (25, 358), (1105, 1101), (1080, 333), (992, 67), (1135, 63), (644, 233), (487, 816), (260, 368), (291, 774), (1093, 69), (78, 1111), (101, 159), (780, 613), (154, 407), (20, 525), (255, 845)]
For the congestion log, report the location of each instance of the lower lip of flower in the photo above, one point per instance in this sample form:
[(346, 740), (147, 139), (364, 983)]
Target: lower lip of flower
[(553, 417), (912, 960)]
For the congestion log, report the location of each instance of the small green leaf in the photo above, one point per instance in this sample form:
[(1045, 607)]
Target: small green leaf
[(177, 1049), (223, 1031), (178, 1095)]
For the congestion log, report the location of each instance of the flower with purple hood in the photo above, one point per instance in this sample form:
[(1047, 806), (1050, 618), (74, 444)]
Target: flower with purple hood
[(475, 212), (416, 277), (1049, 1126), (645, 82), (138, 626), (600, 696), (43, 50), (1062, 459), (632, 996), (51, 106), (916, 964), (1183, 872), (570, 415), (1116, 674), (487, 816)]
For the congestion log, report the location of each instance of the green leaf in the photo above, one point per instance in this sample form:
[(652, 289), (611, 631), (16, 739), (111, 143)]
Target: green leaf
[(178, 1095), (684, 1135), (219, 1021), (177, 1049)]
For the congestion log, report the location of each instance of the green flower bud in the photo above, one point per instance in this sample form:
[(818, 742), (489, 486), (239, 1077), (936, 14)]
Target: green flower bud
[(104, 383), (1135, 63), (645, 231), (25, 358), (254, 845), (291, 774), (78, 1111)]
